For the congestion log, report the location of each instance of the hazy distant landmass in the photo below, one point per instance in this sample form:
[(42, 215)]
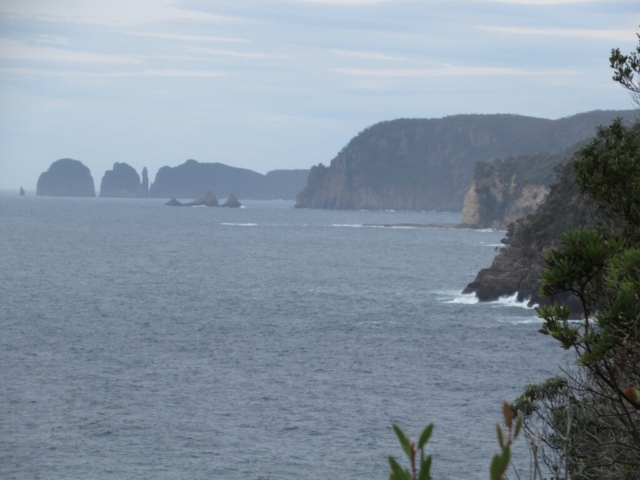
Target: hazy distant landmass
[(66, 178), (192, 178), (428, 164), (124, 181)]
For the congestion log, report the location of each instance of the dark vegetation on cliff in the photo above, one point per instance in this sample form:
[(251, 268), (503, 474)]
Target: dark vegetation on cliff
[(66, 178), (123, 181), (428, 164), (191, 178)]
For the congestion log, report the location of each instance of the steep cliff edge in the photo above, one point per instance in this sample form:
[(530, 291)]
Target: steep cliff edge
[(518, 266), (122, 181), (503, 191), (428, 164), (66, 178)]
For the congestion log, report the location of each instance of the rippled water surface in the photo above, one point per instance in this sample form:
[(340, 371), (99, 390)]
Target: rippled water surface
[(146, 342)]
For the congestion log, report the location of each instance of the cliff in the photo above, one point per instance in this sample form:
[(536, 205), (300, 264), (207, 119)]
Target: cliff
[(122, 181), (66, 178), (518, 266), (503, 191), (428, 164), (192, 177)]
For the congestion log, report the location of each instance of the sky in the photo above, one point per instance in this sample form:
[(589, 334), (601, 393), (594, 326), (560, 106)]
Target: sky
[(271, 84)]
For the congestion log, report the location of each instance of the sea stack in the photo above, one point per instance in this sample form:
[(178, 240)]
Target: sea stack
[(144, 188), (66, 178), (232, 202), (122, 181), (22, 192)]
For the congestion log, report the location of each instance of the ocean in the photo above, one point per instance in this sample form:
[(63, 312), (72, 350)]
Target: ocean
[(140, 341)]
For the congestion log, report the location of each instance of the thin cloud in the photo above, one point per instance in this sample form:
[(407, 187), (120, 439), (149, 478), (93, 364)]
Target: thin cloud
[(188, 38), (237, 54), (617, 35), (52, 39), (114, 12), (135, 73), (14, 50), (371, 55), (449, 71)]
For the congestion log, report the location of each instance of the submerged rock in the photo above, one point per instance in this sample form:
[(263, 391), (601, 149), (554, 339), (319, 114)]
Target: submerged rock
[(66, 178), (174, 202), (232, 202)]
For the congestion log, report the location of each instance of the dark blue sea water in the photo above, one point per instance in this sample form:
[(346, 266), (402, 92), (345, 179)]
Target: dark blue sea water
[(139, 341)]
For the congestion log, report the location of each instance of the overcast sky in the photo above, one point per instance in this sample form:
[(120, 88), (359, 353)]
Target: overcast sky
[(267, 84)]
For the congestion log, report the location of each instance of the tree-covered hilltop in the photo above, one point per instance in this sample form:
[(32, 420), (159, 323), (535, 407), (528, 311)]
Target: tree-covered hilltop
[(428, 164), (192, 178)]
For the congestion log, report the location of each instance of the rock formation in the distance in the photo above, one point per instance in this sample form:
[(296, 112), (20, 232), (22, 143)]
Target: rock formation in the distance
[(518, 266), (503, 191), (428, 164), (66, 178), (192, 177), (232, 202), (122, 181), (22, 192), (207, 200), (144, 187)]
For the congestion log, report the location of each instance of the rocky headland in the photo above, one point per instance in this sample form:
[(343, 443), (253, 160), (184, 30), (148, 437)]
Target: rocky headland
[(66, 178), (192, 177), (124, 181), (428, 164), (517, 268)]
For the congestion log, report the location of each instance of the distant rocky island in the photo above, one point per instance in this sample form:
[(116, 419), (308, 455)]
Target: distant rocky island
[(429, 164), (66, 178), (192, 178), (124, 181)]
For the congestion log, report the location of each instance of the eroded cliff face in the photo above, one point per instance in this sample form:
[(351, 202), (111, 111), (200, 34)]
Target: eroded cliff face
[(418, 164), (518, 266), (503, 191)]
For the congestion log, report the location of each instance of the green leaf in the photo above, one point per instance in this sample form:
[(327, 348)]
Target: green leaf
[(496, 468), (500, 436), (426, 435), (506, 458), (425, 469), (404, 441), (397, 470), (519, 423)]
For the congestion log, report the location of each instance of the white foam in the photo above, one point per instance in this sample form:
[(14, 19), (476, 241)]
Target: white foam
[(512, 301), (240, 224), (465, 299), (346, 225)]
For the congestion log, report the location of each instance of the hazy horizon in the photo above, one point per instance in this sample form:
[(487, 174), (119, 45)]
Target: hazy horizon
[(283, 84)]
